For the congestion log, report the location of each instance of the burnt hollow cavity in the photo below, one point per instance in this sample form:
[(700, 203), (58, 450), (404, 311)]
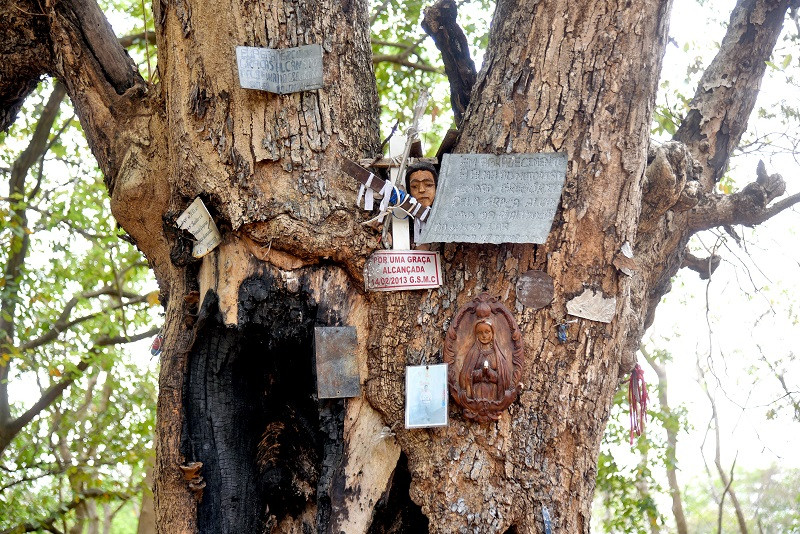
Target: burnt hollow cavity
[(269, 447), (396, 513)]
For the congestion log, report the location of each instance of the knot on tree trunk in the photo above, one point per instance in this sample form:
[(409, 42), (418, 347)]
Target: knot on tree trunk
[(670, 182)]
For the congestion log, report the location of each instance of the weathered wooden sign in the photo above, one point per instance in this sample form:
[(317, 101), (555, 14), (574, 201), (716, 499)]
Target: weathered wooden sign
[(426, 396), (337, 367), (483, 198), (288, 70), (397, 270), (535, 289), (198, 221)]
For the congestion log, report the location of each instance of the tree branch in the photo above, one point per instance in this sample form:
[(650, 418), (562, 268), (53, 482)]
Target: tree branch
[(705, 267), (672, 443), (440, 23), (129, 40), (727, 91), (402, 60), (24, 58), (727, 480), (63, 322), (35, 150), (749, 207), (73, 503), (102, 81), (10, 430)]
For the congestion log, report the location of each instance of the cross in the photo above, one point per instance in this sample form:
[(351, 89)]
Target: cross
[(393, 196)]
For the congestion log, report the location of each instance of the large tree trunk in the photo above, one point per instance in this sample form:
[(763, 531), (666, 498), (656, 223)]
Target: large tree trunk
[(536, 94), (243, 443)]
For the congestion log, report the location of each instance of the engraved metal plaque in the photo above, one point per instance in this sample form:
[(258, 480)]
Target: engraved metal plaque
[(289, 70), (535, 289), (482, 198), (337, 367)]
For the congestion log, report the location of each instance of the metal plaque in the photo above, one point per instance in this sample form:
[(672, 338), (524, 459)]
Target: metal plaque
[(337, 368), (482, 198), (288, 70), (426, 395), (535, 289), (397, 270), (593, 306)]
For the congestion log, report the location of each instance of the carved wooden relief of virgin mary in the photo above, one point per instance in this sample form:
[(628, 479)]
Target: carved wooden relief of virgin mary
[(484, 351)]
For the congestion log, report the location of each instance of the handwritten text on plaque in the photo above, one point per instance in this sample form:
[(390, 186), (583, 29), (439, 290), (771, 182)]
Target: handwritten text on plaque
[(198, 221)]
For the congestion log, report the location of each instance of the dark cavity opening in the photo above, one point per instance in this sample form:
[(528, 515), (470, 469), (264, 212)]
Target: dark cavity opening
[(252, 416), (396, 513)]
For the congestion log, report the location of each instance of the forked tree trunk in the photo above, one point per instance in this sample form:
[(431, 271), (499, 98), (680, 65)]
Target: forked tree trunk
[(267, 166), (243, 444)]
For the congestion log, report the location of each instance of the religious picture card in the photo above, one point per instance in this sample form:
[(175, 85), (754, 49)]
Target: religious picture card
[(426, 396)]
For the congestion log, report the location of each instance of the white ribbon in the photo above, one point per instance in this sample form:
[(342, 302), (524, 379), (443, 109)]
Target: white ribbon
[(387, 194), (367, 193)]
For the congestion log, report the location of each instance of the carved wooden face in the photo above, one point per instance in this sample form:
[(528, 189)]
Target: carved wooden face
[(422, 186), (484, 333)]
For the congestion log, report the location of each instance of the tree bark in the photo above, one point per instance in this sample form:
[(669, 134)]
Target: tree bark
[(243, 444)]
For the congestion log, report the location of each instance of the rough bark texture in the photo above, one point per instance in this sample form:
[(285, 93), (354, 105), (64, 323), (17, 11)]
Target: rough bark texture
[(568, 83), (237, 407), (25, 48)]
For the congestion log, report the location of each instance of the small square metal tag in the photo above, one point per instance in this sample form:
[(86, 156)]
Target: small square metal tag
[(337, 367)]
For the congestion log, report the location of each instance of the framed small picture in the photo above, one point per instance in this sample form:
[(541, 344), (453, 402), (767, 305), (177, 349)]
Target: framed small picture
[(426, 395)]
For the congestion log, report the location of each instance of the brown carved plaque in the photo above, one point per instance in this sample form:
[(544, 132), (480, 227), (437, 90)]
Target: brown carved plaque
[(484, 351)]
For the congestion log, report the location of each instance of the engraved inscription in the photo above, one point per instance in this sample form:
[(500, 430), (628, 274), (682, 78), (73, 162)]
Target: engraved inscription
[(284, 71), (483, 198)]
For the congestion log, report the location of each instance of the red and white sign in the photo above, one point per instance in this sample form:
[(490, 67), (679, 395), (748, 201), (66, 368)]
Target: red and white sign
[(403, 270)]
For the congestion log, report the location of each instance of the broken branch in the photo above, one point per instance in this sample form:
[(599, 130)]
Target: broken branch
[(705, 267), (440, 23)]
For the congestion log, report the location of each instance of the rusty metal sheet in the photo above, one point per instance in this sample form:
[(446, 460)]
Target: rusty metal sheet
[(535, 289), (337, 367)]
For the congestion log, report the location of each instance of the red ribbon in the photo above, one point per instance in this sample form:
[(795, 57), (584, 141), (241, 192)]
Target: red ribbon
[(637, 398)]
